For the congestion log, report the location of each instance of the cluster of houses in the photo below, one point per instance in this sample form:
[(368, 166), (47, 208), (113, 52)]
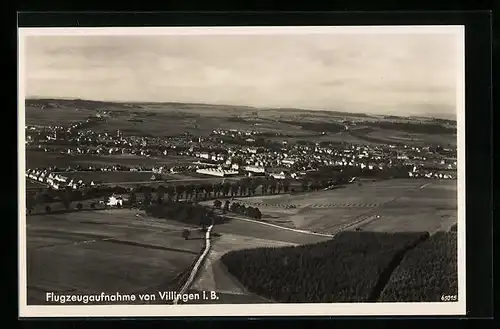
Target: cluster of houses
[(56, 180), (437, 173), (226, 159), (430, 174), (219, 172)]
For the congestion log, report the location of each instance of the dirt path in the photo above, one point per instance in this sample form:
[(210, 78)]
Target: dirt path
[(280, 227), (196, 267)]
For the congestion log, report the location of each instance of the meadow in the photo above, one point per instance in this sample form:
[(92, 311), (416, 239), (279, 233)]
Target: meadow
[(37, 159), (397, 205), (105, 251)]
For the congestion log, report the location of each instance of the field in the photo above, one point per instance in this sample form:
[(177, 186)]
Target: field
[(105, 251), (109, 176), (31, 184), (402, 205), (36, 159), (169, 119), (54, 116), (412, 138)]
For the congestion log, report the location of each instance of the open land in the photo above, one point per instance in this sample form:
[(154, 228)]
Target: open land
[(401, 204), (105, 251), (169, 119), (113, 250), (38, 159)]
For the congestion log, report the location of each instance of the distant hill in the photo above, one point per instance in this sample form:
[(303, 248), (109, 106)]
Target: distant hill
[(48, 103)]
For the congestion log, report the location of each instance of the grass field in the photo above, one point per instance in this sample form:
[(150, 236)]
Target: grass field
[(30, 184), (200, 119), (402, 205), (109, 176), (55, 116), (413, 138), (105, 251), (36, 159)]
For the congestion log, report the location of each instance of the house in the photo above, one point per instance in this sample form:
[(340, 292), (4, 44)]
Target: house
[(217, 172), (255, 169), (289, 161), (115, 200), (281, 175)]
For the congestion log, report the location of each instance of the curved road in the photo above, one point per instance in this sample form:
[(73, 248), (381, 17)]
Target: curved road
[(196, 267), (281, 227)]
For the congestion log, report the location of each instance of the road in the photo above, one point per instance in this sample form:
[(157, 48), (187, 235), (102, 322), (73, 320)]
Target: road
[(280, 227), (196, 267)]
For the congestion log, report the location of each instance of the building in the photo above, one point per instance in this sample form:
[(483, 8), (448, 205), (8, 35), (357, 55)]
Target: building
[(255, 169), (217, 172), (115, 200), (289, 161), (281, 175)]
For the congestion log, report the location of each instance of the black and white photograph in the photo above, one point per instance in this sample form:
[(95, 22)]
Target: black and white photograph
[(241, 171)]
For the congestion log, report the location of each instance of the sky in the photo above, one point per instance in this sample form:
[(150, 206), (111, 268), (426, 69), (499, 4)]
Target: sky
[(398, 74)]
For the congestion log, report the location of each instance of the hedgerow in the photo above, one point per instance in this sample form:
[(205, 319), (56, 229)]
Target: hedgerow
[(427, 273), (344, 269), (185, 212)]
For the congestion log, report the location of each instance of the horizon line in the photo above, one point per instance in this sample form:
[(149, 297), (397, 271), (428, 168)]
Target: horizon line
[(442, 117)]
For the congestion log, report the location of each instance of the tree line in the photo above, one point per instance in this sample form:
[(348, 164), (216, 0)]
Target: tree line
[(185, 212)]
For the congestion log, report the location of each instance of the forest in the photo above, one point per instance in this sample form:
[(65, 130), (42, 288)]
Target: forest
[(348, 268), (427, 273)]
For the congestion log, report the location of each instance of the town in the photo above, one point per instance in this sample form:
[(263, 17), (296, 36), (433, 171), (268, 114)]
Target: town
[(226, 153)]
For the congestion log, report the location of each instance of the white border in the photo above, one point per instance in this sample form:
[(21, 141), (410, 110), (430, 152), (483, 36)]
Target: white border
[(334, 309)]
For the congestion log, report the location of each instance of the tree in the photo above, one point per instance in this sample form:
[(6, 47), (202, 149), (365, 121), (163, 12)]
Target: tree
[(244, 186), (305, 185), (234, 188), (257, 213), (226, 205), (226, 187), (273, 185), (147, 198), (209, 188), (66, 203), (218, 189), (160, 193), (217, 204), (185, 234), (79, 206), (132, 199), (30, 202), (189, 189), (280, 187), (286, 185), (179, 190), (197, 191), (170, 191)]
